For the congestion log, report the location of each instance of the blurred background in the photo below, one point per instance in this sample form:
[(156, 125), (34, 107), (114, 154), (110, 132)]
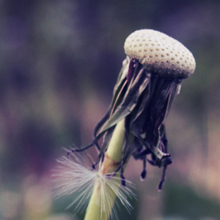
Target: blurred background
[(59, 60)]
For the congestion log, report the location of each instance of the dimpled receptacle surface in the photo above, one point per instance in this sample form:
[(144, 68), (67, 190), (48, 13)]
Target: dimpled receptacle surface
[(160, 53)]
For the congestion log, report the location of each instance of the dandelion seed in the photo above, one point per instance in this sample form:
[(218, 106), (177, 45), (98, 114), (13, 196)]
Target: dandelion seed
[(74, 176)]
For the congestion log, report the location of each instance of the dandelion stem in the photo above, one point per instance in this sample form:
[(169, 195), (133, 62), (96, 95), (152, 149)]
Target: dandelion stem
[(111, 161)]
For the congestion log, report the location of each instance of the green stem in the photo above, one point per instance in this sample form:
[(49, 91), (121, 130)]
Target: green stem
[(110, 163)]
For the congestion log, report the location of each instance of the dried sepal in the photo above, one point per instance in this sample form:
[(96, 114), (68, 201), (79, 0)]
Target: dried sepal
[(147, 84)]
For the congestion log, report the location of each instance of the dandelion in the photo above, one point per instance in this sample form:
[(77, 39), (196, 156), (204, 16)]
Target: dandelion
[(134, 125)]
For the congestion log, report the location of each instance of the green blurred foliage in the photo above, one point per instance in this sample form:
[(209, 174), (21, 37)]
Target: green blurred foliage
[(182, 201)]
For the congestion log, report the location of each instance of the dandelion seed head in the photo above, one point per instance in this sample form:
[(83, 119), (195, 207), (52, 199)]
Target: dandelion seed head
[(154, 50)]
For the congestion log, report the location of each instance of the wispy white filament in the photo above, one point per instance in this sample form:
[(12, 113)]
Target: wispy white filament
[(74, 176)]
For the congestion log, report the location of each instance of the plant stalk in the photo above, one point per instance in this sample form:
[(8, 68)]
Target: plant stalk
[(111, 161)]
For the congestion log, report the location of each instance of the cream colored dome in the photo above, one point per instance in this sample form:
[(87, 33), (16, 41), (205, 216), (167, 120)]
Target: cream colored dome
[(160, 53)]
